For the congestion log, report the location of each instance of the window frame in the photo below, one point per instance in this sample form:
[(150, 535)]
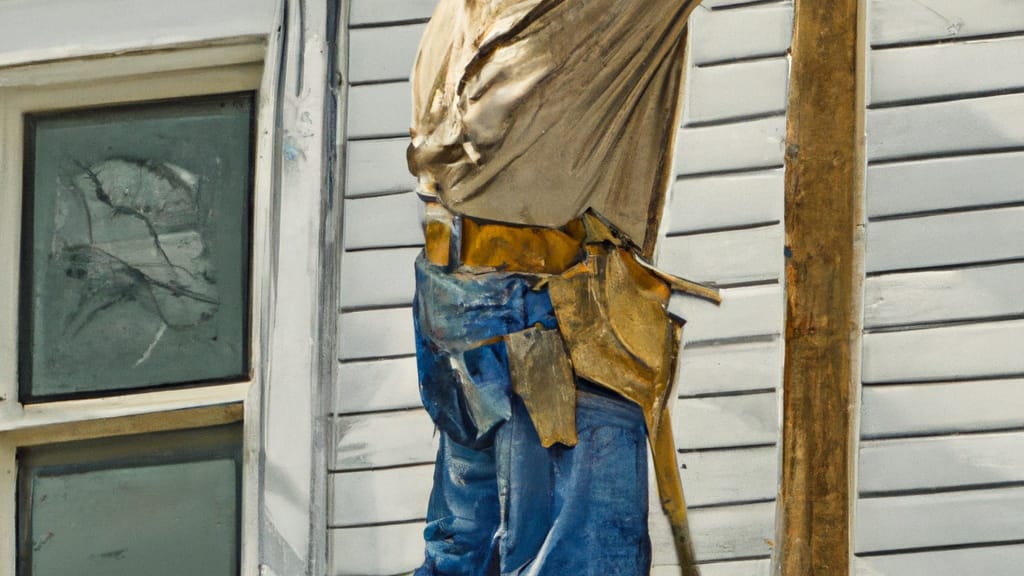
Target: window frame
[(123, 79)]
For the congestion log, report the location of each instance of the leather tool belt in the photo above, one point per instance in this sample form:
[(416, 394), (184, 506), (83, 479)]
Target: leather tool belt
[(453, 241), (611, 305), (614, 328)]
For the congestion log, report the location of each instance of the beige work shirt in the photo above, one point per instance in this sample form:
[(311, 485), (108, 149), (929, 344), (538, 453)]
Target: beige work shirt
[(531, 111)]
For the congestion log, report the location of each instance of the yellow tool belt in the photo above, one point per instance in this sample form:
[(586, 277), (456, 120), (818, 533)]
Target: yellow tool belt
[(454, 241), (611, 308)]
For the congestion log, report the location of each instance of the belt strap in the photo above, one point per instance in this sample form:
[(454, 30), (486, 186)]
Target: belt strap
[(453, 240), (462, 240)]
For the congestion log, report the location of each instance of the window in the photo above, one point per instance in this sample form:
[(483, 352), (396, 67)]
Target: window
[(165, 503), (135, 247), (126, 305)]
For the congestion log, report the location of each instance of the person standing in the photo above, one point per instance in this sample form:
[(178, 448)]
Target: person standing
[(542, 142)]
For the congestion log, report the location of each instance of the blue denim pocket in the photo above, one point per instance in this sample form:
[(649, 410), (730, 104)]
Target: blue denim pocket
[(465, 386)]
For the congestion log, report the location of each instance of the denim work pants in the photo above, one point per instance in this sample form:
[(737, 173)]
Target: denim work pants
[(502, 504)]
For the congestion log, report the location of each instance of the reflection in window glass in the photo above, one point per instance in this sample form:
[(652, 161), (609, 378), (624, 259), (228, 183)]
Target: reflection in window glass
[(162, 504), (135, 246)]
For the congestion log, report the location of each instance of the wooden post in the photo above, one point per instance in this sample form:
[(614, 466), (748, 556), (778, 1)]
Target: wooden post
[(823, 181)]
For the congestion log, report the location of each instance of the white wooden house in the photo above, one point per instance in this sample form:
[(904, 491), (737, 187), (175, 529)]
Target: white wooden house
[(337, 450)]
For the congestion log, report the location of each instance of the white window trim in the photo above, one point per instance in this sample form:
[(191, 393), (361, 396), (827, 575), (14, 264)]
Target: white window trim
[(190, 71)]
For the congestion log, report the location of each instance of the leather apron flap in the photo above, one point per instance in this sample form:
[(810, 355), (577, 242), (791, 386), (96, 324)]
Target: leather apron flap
[(542, 376), (613, 318)]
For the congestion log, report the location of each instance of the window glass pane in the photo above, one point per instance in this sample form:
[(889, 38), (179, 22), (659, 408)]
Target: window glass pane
[(156, 505), (136, 247)]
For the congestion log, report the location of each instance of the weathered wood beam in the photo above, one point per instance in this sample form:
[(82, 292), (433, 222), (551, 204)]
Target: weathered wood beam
[(823, 175)]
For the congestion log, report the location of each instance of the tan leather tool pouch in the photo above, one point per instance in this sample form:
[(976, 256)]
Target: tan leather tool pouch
[(612, 315), (542, 376)]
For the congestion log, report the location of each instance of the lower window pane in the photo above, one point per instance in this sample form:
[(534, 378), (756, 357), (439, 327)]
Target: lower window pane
[(148, 505)]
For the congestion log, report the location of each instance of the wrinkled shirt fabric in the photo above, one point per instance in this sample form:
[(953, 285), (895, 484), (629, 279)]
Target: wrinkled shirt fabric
[(531, 111)]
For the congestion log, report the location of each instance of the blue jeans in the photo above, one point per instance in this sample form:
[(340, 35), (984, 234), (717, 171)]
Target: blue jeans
[(501, 502)]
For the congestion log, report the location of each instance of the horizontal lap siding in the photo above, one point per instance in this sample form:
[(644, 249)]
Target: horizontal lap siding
[(958, 294), (736, 147), (717, 477), (945, 239), (954, 518), (940, 473), (727, 257), (384, 442), (711, 422), (970, 126), (723, 220), (996, 560), (701, 204), (740, 33), (377, 167), (916, 21), (908, 74), (374, 385), (943, 462), (392, 278), (384, 550), (372, 334), (729, 92), (969, 406), (736, 367), (384, 54), (724, 225), (746, 313), (383, 222), (942, 184), (379, 111), (734, 568), (720, 534), (956, 352), (385, 439), (385, 12)]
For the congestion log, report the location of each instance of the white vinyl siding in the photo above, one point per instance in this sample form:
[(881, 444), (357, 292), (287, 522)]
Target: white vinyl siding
[(724, 224), (384, 442), (942, 410)]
